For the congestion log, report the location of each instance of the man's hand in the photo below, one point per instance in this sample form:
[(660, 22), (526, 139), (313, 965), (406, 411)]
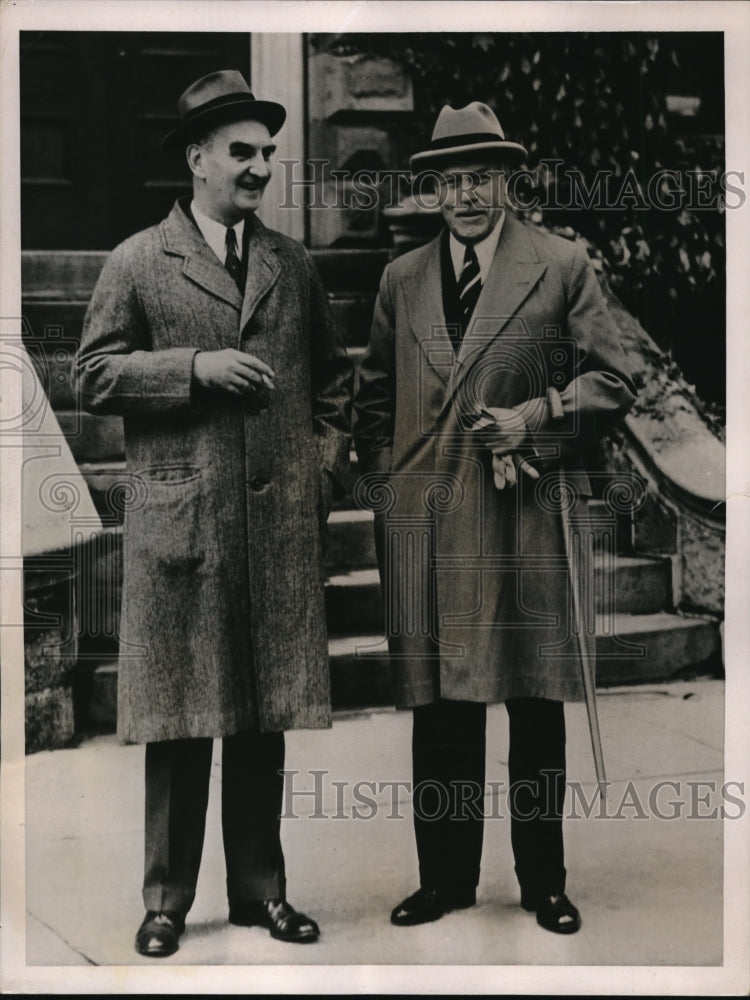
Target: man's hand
[(504, 471), (502, 431), (233, 371)]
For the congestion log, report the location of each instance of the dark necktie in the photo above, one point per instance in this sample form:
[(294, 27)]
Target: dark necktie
[(233, 263), (469, 285)]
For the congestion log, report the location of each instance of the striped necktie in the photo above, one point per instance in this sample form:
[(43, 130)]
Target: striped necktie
[(232, 262), (469, 284)]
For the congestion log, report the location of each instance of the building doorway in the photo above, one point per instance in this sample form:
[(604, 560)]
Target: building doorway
[(94, 107)]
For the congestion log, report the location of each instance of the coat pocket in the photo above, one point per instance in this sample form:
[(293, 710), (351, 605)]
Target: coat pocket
[(167, 532)]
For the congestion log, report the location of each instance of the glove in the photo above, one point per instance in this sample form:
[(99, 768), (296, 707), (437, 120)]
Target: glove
[(502, 431)]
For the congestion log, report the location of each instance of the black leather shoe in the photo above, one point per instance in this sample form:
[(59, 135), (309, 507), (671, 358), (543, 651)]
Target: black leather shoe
[(159, 934), (426, 905), (554, 912), (283, 921)]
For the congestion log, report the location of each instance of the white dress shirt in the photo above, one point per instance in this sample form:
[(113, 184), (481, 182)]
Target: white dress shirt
[(485, 251), (215, 234)]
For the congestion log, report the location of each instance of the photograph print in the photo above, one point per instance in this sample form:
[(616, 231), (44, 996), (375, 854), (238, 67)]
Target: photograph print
[(373, 483)]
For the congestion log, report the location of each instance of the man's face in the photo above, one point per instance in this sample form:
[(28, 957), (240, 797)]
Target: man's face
[(472, 199), (231, 168)]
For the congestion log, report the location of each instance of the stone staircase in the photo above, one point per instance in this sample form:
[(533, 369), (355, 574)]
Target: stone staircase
[(640, 637), (642, 633)]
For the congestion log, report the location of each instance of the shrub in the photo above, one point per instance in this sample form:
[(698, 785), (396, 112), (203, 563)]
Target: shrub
[(598, 102)]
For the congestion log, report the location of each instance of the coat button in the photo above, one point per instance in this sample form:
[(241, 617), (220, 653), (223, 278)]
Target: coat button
[(258, 483)]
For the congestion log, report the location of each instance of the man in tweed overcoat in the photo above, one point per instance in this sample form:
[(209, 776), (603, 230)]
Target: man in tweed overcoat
[(211, 336), (492, 365)]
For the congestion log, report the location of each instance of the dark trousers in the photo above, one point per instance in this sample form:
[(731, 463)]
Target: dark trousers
[(448, 746), (177, 779)]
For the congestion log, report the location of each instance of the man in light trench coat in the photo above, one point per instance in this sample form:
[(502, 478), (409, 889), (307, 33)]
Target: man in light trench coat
[(211, 335), (492, 365)]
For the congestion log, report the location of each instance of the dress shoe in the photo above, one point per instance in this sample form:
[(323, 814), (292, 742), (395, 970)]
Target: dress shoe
[(554, 911), (159, 933), (283, 921), (426, 905)]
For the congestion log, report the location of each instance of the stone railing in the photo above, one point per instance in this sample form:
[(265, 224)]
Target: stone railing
[(677, 449)]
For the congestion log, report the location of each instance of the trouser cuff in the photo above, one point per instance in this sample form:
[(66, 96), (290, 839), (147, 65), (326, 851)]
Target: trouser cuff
[(541, 883), (169, 900), (250, 892)]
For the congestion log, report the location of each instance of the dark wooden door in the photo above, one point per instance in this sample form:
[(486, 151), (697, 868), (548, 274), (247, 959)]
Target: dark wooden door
[(94, 108)]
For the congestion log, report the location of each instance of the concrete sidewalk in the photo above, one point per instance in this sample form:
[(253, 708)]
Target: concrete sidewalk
[(649, 889)]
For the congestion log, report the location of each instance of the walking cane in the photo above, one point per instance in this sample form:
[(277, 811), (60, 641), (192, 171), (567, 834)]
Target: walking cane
[(588, 666), (502, 466)]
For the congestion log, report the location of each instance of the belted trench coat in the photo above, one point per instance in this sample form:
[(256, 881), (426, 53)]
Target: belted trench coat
[(478, 581), (223, 616)]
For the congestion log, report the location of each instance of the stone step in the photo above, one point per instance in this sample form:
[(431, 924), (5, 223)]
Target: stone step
[(350, 538), (662, 647), (52, 332), (353, 595), (629, 584), (355, 682), (351, 541), (54, 329), (65, 274), (354, 599), (616, 528), (631, 649)]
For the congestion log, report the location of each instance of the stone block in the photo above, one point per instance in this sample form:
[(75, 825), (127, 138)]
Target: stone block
[(99, 596), (50, 629), (644, 649), (612, 531), (48, 658), (360, 82), (53, 330), (49, 719), (100, 691), (358, 148), (347, 225), (351, 542), (655, 527), (93, 438), (354, 602), (71, 274), (702, 565), (631, 585)]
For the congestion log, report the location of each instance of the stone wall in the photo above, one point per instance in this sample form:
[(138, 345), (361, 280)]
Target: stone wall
[(354, 103), (50, 653)]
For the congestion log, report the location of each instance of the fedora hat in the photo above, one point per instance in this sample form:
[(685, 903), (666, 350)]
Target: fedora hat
[(218, 99), (459, 132)]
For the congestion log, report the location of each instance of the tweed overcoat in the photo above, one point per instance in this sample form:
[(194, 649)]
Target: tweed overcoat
[(478, 582), (223, 615)]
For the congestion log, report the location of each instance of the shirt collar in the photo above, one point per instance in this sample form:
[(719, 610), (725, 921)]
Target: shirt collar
[(215, 234), (485, 251)]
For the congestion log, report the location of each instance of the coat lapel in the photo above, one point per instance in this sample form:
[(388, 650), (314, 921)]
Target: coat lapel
[(424, 298), (201, 265), (514, 273), (263, 268)]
